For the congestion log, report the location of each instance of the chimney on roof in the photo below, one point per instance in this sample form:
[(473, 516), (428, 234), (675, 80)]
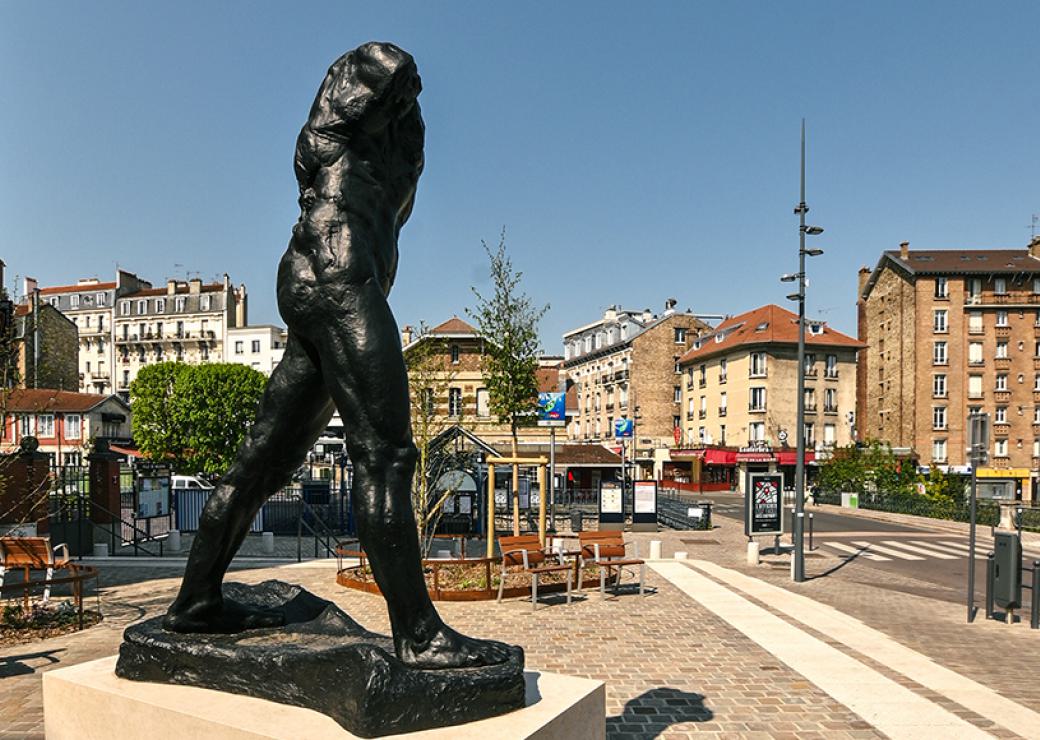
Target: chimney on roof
[(1034, 247), (29, 286), (171, 287), (194, 286), (904, 250), (864, 276), (406, 335), (610, 314), (669, 306)]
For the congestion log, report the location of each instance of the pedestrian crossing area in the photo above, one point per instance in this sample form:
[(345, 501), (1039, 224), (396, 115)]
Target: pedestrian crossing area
[(881, 550)]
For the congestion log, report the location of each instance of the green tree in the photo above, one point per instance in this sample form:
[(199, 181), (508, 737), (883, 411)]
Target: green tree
[(508, 323), (194, 415)]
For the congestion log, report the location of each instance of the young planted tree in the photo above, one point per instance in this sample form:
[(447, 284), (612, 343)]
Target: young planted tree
[(508, 323), (195, 416), (429, 377)]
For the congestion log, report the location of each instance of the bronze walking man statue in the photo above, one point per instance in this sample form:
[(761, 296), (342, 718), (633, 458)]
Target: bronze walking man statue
[(358, 159)]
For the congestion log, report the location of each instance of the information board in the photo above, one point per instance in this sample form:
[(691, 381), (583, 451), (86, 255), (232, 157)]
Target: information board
[(644, 506), (611, 506), (152, 491), (763, 504)]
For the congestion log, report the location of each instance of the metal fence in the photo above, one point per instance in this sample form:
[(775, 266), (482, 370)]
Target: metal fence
[(188, 504)]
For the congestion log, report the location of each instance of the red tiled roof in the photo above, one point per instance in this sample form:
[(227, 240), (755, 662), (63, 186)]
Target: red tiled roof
[(88, 288), (778, 326), (48, 399), (454, 325)]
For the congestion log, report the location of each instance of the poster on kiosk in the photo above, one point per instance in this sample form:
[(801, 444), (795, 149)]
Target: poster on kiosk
[(611, 506), (644, 506), (763, 506)]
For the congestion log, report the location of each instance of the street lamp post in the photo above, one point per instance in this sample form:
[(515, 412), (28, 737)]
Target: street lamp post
[(798, 530)]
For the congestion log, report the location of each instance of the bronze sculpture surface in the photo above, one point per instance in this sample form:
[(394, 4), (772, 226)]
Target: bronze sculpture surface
[(358, 160)]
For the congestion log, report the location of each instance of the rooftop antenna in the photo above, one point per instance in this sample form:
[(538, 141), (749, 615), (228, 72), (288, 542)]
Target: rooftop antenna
[(1032, 227)]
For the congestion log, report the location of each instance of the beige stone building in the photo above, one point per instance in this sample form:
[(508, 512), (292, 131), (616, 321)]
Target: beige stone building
[(626, 366), (260, 346), (949, 332), (739, 399), (183, 321)]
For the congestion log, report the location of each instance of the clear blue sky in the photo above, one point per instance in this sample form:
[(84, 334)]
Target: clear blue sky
[(634, 151)]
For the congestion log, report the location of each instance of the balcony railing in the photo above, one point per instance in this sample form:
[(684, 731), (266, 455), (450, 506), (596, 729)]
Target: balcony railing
[(722, 410)]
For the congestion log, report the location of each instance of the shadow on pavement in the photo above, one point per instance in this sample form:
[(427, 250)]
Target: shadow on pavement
[(837, 567), (654, 711), (15, 665)]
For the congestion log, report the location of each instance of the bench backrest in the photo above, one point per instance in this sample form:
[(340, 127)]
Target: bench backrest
[(528, 542), (34, 552), (611, 544)]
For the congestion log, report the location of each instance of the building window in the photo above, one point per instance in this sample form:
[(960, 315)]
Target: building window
[(757, 399), (829, 434), (974, 287), (74, 301), (704, 407), (809, 401), (1000, 286), (160, 305), (975, 322), (100, 299), (1002, 350), (124, 308), (974, 386), (1001, 415), (939, 353), (939, 386), (810, 434), (832, 366), (28, 425), (722, 434), (1036, 285), (680, 335), (45, 425), (701, 434), (1000, 448), (623, 396), (809, 366), (939, 450), (455, 354), (142, 308), (703, 372), (941, 288), (676, 394), (974, 353), (239, 348), (758, 364), (938, 417), (74, 424), (454, 402), (722, 370), (483, 403), (830, 400), (426, 401), (677, 370), (939, 321), (204, 303), (1002, 381), (723, 408), (1002, 318), (757, 431), (256, 346), (1036, 414)]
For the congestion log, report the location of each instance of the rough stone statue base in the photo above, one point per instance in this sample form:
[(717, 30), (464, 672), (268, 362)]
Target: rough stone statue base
[(322, 660)]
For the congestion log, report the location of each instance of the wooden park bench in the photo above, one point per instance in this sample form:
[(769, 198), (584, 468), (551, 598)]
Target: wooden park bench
[(526, 550), (31, 553), (607, 551)]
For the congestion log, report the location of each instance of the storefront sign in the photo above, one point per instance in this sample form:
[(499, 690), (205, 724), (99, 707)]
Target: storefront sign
[(763, 504), (756, 453)]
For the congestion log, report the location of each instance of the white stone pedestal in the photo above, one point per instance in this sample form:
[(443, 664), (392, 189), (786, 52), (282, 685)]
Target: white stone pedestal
[(89, 702)]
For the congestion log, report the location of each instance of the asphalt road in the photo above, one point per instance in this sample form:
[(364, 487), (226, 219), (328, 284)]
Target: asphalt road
[(937, 558)]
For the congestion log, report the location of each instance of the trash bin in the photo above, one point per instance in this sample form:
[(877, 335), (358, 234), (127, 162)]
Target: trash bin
[(576, 521)]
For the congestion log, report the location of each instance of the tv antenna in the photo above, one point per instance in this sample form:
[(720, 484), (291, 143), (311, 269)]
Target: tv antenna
[(1032, 227)]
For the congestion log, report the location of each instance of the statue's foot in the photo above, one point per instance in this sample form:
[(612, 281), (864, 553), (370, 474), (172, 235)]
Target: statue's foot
[(219, 616), (449, 649)]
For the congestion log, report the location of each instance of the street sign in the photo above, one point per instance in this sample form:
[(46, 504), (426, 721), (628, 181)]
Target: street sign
[(623, 428), (763, 505), (552, 410)]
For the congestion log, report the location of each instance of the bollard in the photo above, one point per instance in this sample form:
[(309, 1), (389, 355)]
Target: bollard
[(267, 542), (100, 549), (752, 553), (1034, 611), (811, 548), (991, 574), (655, 549), (173, 540)]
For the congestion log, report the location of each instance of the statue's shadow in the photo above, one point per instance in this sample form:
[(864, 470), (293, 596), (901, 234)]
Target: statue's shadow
[(654, 711)]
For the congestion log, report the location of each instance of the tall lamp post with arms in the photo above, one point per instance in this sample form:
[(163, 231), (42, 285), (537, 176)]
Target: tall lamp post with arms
[(798, 530)]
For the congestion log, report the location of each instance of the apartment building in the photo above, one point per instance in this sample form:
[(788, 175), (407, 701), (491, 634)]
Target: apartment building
[(626, 365), (46, 348), (184, 321), (949, 332), (88, 304), (260, 346), (457, 387), (740, 400)]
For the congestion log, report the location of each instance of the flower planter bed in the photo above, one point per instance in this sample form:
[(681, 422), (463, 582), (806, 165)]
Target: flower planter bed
[(469, 579)]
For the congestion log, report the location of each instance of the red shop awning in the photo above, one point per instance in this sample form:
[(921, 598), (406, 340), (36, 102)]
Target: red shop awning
[(720, 457), (790, 457)]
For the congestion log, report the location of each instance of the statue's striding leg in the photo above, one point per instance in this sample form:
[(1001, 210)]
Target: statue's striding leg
[(294, 410), (364, 370)]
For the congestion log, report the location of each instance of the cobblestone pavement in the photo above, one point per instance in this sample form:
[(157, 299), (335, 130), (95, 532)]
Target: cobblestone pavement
[(672, 668)]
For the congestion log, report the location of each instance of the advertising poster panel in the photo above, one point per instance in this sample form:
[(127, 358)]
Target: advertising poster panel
[(763, 504)]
